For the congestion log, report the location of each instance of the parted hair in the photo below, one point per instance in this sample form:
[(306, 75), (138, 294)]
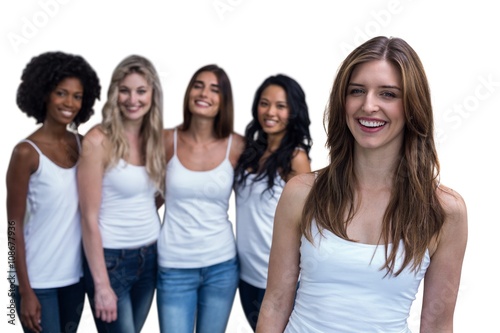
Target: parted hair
[(224, 121), (44, 72), (414, 214), (296, 136), (152, 124)]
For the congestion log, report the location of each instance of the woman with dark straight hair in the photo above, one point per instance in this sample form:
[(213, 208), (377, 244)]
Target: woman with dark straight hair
[(198, 266)]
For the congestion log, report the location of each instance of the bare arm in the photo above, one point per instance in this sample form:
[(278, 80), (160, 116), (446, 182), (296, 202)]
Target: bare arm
[(284, 258), (442, 279), (300, 164), (91, 169), (24, 161)]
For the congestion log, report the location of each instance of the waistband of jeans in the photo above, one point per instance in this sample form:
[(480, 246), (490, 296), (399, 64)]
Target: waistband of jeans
[(124, 252)]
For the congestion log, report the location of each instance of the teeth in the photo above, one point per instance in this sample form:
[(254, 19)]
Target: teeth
[(371, 123), (67, 113), (202, 103)]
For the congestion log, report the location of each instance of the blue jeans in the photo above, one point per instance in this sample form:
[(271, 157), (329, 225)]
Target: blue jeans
[(61, 307), (202, 295), (251, 299), (132, 274)]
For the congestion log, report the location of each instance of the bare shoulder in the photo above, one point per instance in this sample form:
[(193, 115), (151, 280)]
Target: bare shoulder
[(298, 187), (238, 142), (453, 235), (452, 202), (95, 142), (237, 147), (168, 141), (24, 155), (300, 163), (95, 135)]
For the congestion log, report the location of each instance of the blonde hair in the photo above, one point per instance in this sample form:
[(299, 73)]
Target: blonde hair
[(152, 125)]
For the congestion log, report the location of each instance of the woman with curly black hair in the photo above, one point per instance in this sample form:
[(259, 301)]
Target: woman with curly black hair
[(277, 148), (58, 90)]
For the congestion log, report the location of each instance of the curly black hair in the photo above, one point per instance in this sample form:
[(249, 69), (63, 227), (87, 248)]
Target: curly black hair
[(44, 72), (297, 136)]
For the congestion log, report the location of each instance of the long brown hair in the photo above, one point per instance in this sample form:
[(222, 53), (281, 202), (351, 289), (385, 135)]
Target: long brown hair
[(414, 213)]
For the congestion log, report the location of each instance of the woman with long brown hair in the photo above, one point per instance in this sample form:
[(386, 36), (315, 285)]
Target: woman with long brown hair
[(365, 230)]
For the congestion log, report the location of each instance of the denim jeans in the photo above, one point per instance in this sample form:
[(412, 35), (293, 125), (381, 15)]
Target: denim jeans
[(251, 299), (61, 307), (200, 295), (132, 274)]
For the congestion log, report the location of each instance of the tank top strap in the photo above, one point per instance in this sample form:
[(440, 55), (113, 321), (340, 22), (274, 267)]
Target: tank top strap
[(229, 140), (175, 142), (33, 145)]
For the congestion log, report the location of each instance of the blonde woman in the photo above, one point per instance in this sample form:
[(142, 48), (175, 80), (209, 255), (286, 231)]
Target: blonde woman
[(120, 174)]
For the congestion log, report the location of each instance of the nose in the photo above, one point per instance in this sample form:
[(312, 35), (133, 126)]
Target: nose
[(370, 103), (271, 110), (132, 98), (69, 101)]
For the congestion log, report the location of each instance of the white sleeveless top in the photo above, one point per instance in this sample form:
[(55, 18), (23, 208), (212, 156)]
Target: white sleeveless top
[(343, 290), (196, 230), (52, 231), (255, 211), (128, 217)]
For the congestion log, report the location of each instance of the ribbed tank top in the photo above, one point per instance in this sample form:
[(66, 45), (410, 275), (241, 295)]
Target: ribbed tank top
[(342, 288), (128, 217), (196, 230), (52, 231), (255, 209)]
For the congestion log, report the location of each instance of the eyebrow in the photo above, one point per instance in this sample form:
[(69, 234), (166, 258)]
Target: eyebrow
[(383, 86), (211, 84)]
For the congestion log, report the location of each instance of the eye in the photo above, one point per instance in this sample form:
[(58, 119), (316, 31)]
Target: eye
[(356, 91), (215, 90), (388, 94), (263, 103), (197, 86), (141, 91), (60, 93), (78, 97), (282, 106)]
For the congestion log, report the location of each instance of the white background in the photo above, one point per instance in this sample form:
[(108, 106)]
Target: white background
[(252, 39)]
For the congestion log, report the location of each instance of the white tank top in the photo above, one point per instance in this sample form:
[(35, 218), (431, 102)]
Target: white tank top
[(128, 217), (196, 230), (342, 288), (52, 232), (254, 227)]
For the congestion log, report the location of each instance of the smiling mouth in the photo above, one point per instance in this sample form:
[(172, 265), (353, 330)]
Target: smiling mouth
[(372, 123)]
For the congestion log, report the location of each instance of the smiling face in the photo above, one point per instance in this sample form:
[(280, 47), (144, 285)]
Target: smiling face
[(374, 105), (273, 110), (135, 97), (65, 101), (204, 97)]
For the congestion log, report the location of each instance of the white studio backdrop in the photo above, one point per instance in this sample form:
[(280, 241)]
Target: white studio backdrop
[(253, 39)]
